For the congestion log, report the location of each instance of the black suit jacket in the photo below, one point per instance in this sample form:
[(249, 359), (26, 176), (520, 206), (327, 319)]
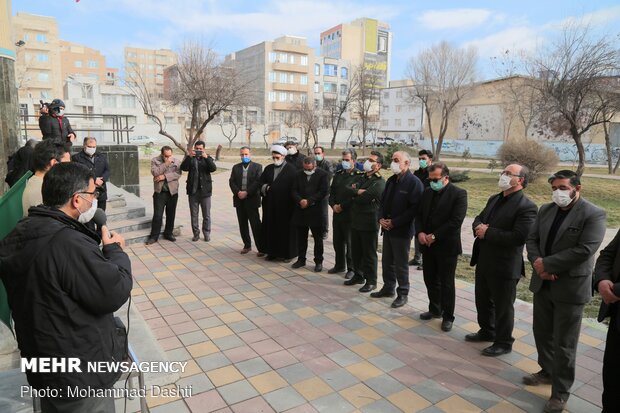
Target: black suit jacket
[(446, 219), (99, 166), (51, 129), (406, 193), (608, 268), (314, 190), (500, 253), (253, 184)]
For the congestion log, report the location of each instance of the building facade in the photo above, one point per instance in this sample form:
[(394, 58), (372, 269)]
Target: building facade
[(147, 66), (401, 115), (77, 59)]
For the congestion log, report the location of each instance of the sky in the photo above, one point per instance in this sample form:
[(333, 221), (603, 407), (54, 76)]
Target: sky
[(493, 27)]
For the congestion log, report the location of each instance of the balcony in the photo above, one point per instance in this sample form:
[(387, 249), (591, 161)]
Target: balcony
[(288, 47), (290, 87), (283, 106), (285, 67)]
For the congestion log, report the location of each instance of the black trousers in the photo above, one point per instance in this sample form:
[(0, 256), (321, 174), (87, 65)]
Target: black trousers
[(342, 244), (325, 213), (611, 366), (439, 272), (395, 263), (302, 243), (247, 214), (495, 297), (364, 250), (163, 200)]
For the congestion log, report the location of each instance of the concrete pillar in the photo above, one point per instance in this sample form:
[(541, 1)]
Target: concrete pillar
[(9, 105)]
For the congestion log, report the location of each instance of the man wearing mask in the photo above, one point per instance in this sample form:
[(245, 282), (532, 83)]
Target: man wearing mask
[(399, 205), (293, 157), (98, 164), (366, 193), (561, 246), (199, 165), (425, 159), (44, 156), (244, 183), (166, 172), (310, 188), (63, 301), (278, 237), (500, 231), (341, 200), (322, 163), (53, 123), (438, 227)]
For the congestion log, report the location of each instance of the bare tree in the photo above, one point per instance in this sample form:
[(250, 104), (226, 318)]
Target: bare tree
[(610, 106), (233, 126), (571, 72), (442, 75), (366, 85), (200, 83), (308, 118), (336, 109)]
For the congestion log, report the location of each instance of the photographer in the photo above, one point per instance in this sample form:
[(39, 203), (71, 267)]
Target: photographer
[(53, 123), (199, 166)]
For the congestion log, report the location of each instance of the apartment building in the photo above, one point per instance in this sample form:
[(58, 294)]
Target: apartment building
[(77, 59), (147, 65), (401, 116), (332, 79)]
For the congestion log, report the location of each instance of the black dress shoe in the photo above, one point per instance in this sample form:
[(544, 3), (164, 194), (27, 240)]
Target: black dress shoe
[(367, 288), (446, 325), (479, 337), (335, 270), (383, 293), (151, 241), (318, 268), (428, 315), (400, 301), (260, 254), (349, 275), (355, 280), (207, 238), (196, 238), (170, 237), (298, 264), (496, 350), (415, 261), (270, 258)]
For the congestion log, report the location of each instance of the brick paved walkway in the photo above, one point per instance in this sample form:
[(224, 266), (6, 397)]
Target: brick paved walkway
[(261, 337)]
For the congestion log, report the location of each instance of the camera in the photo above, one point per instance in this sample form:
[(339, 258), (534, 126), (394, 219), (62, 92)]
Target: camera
[(44, 104), (198, 154)]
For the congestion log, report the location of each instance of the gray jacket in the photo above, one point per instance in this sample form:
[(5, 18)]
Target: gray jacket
[(572, 252)]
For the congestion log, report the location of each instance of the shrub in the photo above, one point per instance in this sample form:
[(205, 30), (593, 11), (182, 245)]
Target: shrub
[(460, 176), (493, 164), (539, 158)]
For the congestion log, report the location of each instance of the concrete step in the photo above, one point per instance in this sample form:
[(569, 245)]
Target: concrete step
[(128, 225), (124, 213), (142, 235)]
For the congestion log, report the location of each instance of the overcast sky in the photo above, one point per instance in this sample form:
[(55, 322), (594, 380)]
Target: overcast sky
[(492, 26)]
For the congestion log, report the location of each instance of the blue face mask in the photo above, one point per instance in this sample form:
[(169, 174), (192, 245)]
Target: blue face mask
[(423, 164), (318, 157), (245, 159), (346, 165), (436, 186)]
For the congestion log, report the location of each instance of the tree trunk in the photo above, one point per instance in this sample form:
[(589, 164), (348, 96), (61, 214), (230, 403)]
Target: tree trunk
[(608, 149), (333, 142), (580, 150)]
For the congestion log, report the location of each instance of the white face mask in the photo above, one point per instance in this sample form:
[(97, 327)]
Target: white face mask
[(278, 162), (504, 182), (88, 215), (395, 166), (309, 172), (292, 150), (367, 166), (90, 151), (562, 198), (61, 112)]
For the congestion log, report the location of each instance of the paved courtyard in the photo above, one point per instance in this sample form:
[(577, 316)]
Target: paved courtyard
[(261, 337)]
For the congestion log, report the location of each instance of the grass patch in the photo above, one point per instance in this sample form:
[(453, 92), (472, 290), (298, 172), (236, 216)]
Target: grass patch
[(467, 273)]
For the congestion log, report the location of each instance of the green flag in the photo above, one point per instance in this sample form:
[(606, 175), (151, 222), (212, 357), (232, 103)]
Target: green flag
[(11, 212)]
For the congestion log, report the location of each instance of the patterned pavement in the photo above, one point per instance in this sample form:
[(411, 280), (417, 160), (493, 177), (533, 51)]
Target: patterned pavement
[(261, 337)]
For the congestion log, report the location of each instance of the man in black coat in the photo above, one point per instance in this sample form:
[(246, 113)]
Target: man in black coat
[(326, 165), (293, 157), (277, 235), (199, 166), (399, 205), (607, 283), (501, 230), (425, 159), (97, 163), (438, 227), (310, 188), (244, 183), (63, 301), (54, 124)]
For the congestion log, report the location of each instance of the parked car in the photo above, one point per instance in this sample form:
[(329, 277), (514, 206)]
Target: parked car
[(285, 139), (141, 140), (384, 141), (357, 143)]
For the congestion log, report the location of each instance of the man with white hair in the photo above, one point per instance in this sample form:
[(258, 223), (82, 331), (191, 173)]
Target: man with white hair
[(277, 234)]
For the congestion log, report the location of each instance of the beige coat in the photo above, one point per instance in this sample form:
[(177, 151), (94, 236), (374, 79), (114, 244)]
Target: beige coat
[(172, 173)]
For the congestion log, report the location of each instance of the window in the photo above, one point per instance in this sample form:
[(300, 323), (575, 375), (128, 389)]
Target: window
[(42, 57), (304, 60), (291, 59), (272, 57), (41, 38), (131, 120), (343, 90), (44, 76), (109, 101), (283, 57), (272, 96), (45, 94), (398, 108), (23, 109), (303, 79), (282, 96), (93, 64), (344, 73), (384, 123), (330, 88), (317, 69), (382, 42), (410, 122), (151, 67), (272, 77), (291, 78), (316, 87), (129, 101), (283, 77), (303, 97), (386, 108), (78, 63), (396, 122), (411, 108), (399, 94), (317, 104), (386, 94), (330, 70)]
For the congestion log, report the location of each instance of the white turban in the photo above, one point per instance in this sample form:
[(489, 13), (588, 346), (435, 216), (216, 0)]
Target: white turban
[(279, 149)]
